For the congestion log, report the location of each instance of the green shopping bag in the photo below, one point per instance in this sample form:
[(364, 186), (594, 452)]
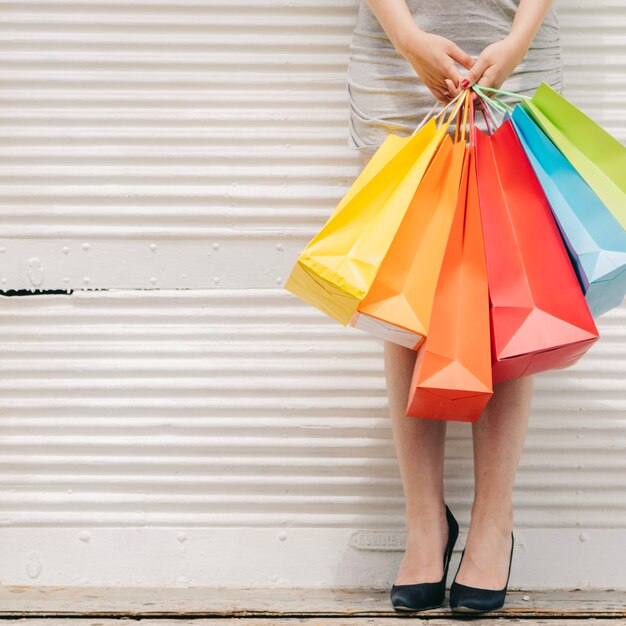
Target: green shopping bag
[(597, 156)]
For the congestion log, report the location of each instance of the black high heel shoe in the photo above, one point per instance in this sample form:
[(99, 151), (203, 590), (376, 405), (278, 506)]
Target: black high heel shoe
[(430, 595), (466, 599)]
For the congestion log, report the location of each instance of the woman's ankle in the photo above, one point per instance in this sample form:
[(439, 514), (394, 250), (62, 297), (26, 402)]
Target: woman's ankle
[(425, 509), (499, 515)]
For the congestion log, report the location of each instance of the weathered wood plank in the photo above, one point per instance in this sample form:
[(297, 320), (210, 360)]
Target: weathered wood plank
[(24, 601), (296, 621)]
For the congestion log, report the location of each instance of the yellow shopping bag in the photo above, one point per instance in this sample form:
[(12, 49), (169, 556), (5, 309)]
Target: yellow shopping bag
[(337, 267), (399, 303)]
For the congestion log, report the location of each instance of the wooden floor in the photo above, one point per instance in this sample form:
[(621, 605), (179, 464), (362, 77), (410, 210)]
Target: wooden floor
[(108, 606), (307, 621)]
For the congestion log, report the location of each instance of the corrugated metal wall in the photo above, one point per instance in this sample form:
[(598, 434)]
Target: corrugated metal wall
[(180, 418)]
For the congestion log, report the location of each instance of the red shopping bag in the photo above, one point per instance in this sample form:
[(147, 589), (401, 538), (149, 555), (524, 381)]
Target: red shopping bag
[(452, 377), (539, 317)]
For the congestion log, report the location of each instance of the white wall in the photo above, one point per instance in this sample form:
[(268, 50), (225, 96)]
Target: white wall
[(181, 419)]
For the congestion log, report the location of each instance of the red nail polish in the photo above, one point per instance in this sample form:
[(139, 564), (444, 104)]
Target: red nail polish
[(464, 83)]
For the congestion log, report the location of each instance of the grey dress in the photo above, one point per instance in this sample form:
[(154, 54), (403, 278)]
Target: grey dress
[(386, 95)]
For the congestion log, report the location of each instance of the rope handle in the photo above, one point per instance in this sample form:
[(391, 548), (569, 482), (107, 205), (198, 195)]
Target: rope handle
[(465, 114), (490, 111), (457, 109), (505, 105), (500, 105), (494, 104), (429, 114), (519, 96)]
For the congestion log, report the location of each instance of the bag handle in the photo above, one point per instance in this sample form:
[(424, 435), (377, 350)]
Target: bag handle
[(429, 114), (461, 97), (472, 123), (499, 101), (489, 107), (478, 89), (493, 102), (472, 116), (464, 110), (513, 94), (492, 106)]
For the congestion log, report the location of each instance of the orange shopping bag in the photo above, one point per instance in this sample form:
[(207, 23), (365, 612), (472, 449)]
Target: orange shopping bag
[(452, 376), (398, 305)]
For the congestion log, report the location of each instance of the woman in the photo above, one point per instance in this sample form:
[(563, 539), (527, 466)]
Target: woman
[(405, 54)]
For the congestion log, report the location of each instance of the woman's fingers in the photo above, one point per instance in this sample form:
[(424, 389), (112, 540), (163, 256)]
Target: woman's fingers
[(453, 89), (487, 81), (474, 73), (433, 59), (460, 56)]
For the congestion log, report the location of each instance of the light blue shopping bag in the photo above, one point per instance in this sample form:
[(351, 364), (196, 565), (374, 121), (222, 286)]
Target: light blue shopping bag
[(595, 239)]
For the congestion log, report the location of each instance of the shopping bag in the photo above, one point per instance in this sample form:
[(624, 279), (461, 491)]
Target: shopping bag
[(539, 317), (597, 156), (398, 304), (594, 238), (452, 377), (337, 267)]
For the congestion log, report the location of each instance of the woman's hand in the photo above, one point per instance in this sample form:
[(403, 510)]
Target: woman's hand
[(493, 66), (433, 59), (496, 63), (498, 60)]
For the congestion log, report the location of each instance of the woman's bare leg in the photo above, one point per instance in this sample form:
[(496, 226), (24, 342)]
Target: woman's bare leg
[(498, 441), (419, 444), (498, 437)]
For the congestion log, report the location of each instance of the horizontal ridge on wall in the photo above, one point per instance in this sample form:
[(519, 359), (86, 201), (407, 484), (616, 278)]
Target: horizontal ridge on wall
[(214, 118), (209, 407)]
